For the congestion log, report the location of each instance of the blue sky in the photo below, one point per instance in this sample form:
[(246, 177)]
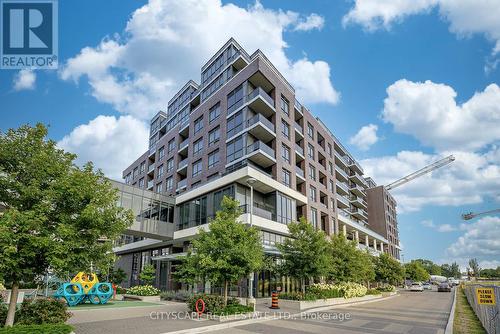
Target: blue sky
[(438, 59)]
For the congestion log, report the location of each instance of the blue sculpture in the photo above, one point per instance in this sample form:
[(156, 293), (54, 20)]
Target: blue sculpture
[(82, 288)]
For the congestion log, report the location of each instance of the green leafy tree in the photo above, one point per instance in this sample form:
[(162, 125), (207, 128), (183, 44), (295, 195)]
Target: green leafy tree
[(189, 270), (305, 252), (116, 276), (474, 267), (56, 213), (349, 264), (416, 272), (430, 267), (226, 253), (148, 274), (388, 269)]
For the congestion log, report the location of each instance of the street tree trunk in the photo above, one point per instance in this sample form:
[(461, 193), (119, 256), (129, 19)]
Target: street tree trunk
[(226, 283), (12, 304), (303, 284)]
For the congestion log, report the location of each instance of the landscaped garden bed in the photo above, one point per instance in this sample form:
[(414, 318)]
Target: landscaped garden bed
[(214, 308), (145, 293)]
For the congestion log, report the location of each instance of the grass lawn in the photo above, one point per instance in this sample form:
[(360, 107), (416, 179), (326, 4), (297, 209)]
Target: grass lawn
[(465, 321), (111, 304)]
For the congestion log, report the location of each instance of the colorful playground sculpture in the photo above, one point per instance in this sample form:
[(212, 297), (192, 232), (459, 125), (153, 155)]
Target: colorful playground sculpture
[(84, 287)]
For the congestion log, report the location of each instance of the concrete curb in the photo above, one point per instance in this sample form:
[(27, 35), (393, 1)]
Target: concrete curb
[(449, 324), (211, 328)]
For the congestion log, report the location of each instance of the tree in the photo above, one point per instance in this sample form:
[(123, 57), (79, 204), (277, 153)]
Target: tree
[(148, 274), (305, 252), (474, 267), (430, 267), (416, 272), (227, 252), (56, 213), (349, 264), (388, 270), (116, 276)]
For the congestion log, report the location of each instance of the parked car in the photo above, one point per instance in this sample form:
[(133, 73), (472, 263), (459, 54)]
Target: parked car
[(427, 286), (444, 287), (417, 286)]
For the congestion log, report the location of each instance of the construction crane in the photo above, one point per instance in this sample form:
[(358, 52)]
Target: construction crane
[(427, 169), (470, 215)]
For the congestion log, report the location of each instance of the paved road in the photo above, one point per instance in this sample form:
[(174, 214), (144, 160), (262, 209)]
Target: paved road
[(412, 312)]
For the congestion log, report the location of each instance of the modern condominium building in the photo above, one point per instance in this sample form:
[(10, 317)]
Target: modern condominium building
[(382, 216), (242, 131)]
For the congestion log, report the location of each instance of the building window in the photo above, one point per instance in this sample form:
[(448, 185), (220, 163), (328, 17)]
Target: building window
[(160, 172), (310, 131), (169, 183), (330, 150), (235, 99), (214, 113), (235, 124), (213, 136), (331, 185), (141, 183), (235, 149), (213, 158), (312, 193), (330, 167), (310, 151), (285, 129), (314, 218), (312, 172), (285, 153), (286, 178), (161, 151), (198, 125), (285, 209), (135, 172), (159, 187), (197, 167), (170, 165), (127, 178), (285, 106), (143, 167), (198, 146), (171, 146)]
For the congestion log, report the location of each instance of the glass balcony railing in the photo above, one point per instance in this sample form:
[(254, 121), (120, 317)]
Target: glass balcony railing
[(299, 128), (182, 184), (151, 184), (298, 106), (151, 168), (184, 143), (259, 91), (260, 146), (299, 171), (343, 186), (299, 149), (261, 119), (183, 164)]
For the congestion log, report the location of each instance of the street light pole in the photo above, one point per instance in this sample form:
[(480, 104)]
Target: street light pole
[(250, 182)]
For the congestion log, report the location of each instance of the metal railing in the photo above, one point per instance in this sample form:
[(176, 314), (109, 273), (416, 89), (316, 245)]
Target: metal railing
[(489, 315), (298, 127), (299, 171), (259, 91), (258, 145), (260, 119), (181, 184), (184, 143), (183, 164)]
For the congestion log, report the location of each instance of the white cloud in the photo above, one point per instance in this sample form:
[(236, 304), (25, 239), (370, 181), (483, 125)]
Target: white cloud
[(481, 239), (470, 179), (166, 42), (313, 21), (366, 137), (439, 227), (24, 79), (465, 17), (111, 143), (429, 112), (375, 14)]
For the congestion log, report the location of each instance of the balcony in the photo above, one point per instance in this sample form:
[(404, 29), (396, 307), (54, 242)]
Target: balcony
[(298, 129), (342, 202), (358, 213), (354, 165), (298, 106), (151, 168), (151, 184), (261, 102), (182, 167), (182, 184), (357, 178), (339, 160), (261, 154), (357, 201), (299, 153), (300, 174), (341, 174), (152, 150), (354, 188), (342, 188), (183, 147), (184, 127), (261, 127)]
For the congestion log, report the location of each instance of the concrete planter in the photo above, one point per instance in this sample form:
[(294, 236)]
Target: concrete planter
[(151, 299), (301, 305)]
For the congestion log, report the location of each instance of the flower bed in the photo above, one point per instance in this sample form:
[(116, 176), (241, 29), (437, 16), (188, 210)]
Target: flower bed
[(146, 293), (327, 291)]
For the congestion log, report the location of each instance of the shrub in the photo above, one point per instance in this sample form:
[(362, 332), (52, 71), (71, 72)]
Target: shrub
[(167, 295), (3, 313), (143, 290), (120, 290), (213, 303), (183, 296), (388, 288), (298, 296), (38, 329), (344, 289), (373, 292), (42, 311), (235, 309)]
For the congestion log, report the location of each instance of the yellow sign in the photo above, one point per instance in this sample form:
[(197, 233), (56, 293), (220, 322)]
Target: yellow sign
[(485, 296)]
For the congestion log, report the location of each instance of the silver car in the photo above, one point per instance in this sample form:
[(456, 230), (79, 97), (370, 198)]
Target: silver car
[(417, 286)]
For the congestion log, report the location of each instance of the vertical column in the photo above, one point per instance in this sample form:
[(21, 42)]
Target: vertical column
[(356, 236), (367, 241), (374, 243), (381, 246), (344, 230)]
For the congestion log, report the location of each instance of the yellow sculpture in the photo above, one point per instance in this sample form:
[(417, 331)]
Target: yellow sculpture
[(86, 280)]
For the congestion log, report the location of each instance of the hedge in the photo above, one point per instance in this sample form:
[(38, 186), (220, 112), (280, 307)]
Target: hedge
[(37, 329)]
